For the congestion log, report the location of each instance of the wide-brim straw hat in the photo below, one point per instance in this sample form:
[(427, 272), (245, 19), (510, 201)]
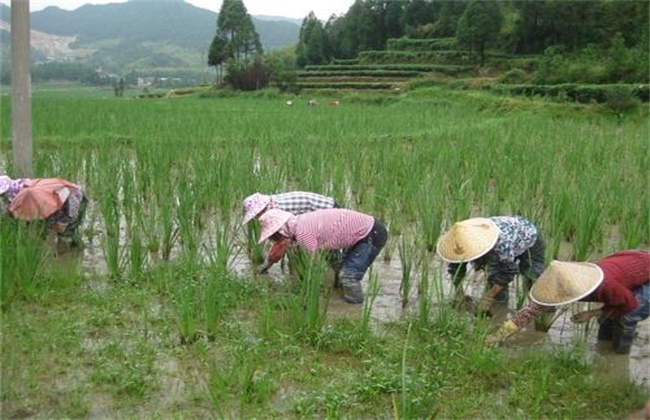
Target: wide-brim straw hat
[(468, 240), (5, 183), (565, 282), (253, 205), (271, 222)]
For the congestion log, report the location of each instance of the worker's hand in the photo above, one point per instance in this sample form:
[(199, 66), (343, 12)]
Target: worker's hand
[(506, 330), (483, 307), (277, 251), (58, 227), (582, 317), (263, 269)]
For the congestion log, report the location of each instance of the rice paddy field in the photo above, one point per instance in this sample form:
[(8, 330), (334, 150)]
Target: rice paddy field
[(161, 314)]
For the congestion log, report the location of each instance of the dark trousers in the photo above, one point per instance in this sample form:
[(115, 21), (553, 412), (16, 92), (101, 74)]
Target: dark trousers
[(361, 255)]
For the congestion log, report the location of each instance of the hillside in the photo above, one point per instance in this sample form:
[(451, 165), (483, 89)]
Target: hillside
[(123, 36)]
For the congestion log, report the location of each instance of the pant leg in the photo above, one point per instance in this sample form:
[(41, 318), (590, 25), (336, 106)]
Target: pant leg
[(532, 262), (363, 253), (626, 329)]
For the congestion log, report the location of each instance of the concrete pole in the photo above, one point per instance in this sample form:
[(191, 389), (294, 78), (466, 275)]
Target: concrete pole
[(21, 94)]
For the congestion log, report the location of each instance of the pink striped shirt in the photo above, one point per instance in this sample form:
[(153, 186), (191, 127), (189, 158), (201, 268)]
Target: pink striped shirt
[(329, 229)]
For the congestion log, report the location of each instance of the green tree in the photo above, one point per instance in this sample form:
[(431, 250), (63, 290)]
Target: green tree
[(447, 17), (479, 25), (312, 42), (417, 13), (219, 53), (282, 65), (235, 26)]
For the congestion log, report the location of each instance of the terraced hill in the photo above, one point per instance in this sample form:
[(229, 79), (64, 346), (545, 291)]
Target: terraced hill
[(403, 60)]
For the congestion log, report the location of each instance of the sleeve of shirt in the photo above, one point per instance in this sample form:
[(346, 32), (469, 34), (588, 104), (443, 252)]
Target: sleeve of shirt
[(618, 300), (525, 315), (503, 273)]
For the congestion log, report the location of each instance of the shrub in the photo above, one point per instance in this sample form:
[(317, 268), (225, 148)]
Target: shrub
[(248, 76), (620, 100), (515, 76)]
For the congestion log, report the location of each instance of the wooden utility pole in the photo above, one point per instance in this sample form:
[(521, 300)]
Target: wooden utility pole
[(21, 94)]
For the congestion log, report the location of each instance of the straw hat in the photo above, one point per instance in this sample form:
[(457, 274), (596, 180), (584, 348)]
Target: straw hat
[(565, 282), (468, 240), (254, 205), (271, 222), (5, 183)]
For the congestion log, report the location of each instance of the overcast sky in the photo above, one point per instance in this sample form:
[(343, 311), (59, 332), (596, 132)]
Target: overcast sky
[(288, 8)]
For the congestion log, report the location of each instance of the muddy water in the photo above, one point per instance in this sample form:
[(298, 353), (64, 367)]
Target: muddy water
[(388, 306)]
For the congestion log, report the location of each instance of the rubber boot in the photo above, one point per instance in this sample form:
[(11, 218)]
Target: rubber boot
[(337, 280), (623, 338), (352, 292), (606, 330)]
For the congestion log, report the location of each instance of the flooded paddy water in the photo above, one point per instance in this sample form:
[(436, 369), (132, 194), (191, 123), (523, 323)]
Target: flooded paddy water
[(388, 305)]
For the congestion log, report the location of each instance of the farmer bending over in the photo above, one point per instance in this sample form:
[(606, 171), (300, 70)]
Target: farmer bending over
[(360, 235), (58, 202), (504, 246), (620, 281), (294, 202)]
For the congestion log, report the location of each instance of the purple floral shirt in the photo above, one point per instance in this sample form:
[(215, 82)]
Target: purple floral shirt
[(517, 235), (14, 187)]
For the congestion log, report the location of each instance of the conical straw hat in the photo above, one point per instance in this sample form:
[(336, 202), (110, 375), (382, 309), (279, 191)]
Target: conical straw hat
[(565, 282), (468, 240)]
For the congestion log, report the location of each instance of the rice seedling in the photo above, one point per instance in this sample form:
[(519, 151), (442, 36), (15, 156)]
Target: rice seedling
[(407, 261), (23, 254), (371, 295), (426, 292)]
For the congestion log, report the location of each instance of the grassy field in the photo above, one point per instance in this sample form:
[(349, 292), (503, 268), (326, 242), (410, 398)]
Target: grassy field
[(163, 325)]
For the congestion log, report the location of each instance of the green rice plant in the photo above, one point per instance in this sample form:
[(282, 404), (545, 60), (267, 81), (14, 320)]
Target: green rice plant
[(187, 217), (429, 221), (426, 291), (137, 257), (109, 208), (187, 302), (407, 260), (23, 256), (633, 232), (371, 296), (589, 234), (241, 383), (254, 250), (311, 271), (213, 302), (405, 409), (222, 246)]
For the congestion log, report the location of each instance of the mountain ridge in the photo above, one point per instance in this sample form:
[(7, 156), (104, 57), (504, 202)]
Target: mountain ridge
[(121, 36)]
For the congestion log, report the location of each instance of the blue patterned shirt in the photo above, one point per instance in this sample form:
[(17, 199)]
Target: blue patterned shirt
[(517, 235)]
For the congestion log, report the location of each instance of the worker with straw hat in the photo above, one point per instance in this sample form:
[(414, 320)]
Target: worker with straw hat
[(620, 281), (360, 236), (503, 246)]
